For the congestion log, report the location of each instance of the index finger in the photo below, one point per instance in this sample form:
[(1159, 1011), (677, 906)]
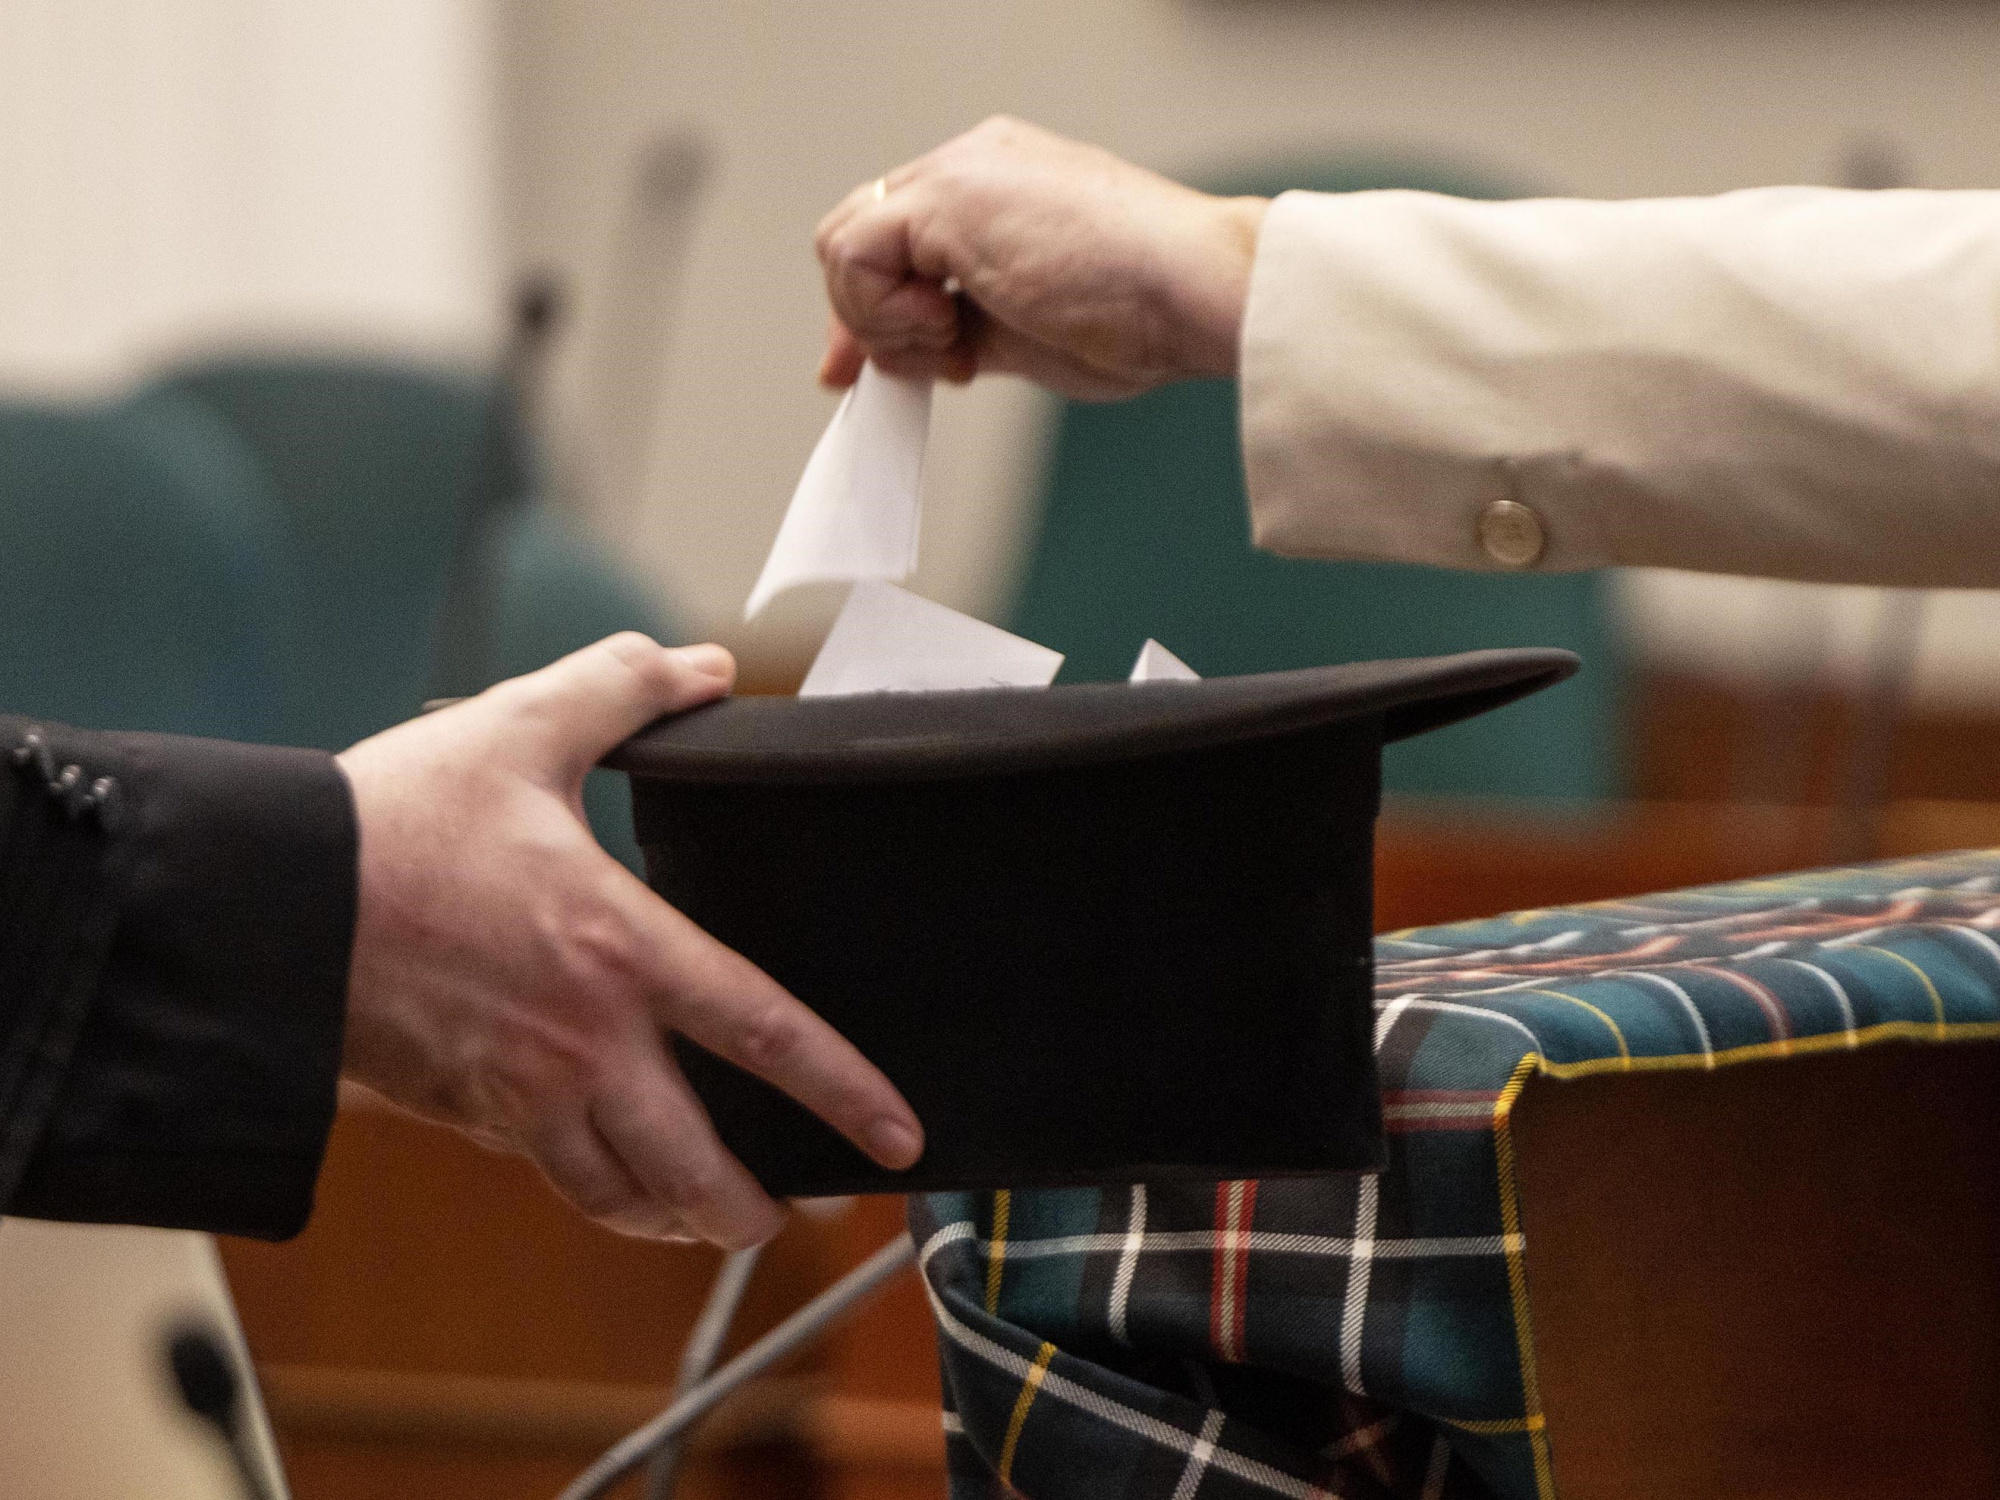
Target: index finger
[(844, 210), (718, 998)]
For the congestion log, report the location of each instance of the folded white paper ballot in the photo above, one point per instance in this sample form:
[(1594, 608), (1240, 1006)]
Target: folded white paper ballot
[(855, 512), (888, 640), (1157, 664)]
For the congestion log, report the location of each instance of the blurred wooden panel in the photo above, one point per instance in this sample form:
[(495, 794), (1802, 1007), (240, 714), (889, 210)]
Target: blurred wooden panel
[(354, 1431), (1777, 1281), (1440, 861), (1710, 739), (429, 1257), (428, 1253), (889, 1351), (371, 1470), (323, 1401), (874, 1450)]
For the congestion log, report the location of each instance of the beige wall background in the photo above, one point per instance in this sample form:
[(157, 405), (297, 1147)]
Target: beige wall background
[(795, 103), (175, 173)]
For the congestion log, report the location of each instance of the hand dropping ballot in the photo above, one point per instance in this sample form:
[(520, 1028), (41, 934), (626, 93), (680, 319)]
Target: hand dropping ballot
[(856, 516)]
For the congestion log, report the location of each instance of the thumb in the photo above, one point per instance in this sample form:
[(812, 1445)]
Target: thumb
[(841, 365), (570, 713)]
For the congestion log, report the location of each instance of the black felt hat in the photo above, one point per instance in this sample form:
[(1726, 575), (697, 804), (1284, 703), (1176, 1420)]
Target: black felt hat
[(1103, 933)]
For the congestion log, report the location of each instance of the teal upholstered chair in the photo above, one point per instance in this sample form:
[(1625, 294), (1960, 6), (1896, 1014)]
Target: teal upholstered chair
[(371, 467), (391, 482), (1143, 532), (140, 574)]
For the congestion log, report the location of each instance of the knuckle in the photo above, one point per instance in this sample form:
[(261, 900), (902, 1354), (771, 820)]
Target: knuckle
[(508, 699), (1003, 133), (639, 654), (770, 1039), (845, 267), (600, 955), (700, 1187), (659, 674)]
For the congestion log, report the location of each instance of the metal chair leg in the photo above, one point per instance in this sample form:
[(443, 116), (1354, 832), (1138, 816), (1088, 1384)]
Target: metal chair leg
[(704, 1347), (800, 1329)]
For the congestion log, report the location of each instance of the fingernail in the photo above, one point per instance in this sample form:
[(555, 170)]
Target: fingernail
[(894, 1144), (709, 660)]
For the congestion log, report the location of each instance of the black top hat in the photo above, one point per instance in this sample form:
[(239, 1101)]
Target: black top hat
[(1103, 933)]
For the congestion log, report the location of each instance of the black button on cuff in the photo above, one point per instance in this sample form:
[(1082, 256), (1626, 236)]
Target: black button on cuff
[(34, 756), (108, 803), (71, 786)]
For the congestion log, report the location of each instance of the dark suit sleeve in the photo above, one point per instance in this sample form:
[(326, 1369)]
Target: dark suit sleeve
[(175, 921)]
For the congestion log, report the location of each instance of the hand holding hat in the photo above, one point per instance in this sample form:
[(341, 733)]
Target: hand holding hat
[(511, 979)]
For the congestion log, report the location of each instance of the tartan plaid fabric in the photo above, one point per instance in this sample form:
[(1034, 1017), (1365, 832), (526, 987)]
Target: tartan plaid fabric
[(1365, 1336)]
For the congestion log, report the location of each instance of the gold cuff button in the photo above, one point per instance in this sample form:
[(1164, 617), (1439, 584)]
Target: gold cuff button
[(1511, 534)]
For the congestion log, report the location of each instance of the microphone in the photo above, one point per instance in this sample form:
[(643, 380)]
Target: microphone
[(211, 1387)]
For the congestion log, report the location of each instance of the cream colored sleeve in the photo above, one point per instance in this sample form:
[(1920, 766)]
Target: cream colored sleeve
[(1797, 382)]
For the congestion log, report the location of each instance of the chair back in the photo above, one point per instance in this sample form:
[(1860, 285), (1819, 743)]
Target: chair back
[(373, 467), (409, 499), (140, 575)]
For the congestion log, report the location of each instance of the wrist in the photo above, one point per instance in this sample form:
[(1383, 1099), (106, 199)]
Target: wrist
[(1218, 292)]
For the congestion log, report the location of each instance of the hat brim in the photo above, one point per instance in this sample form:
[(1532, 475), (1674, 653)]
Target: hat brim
[(880, 737)]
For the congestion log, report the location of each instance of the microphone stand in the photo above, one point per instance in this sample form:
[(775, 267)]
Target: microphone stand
[(211, 1387), (800, 1329)]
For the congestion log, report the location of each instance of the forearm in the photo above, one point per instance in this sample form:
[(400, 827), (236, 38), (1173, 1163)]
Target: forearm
[(173, 974), (1792, 382)]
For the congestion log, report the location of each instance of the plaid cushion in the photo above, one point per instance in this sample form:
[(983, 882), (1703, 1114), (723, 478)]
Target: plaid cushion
[(1365, 1336)]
